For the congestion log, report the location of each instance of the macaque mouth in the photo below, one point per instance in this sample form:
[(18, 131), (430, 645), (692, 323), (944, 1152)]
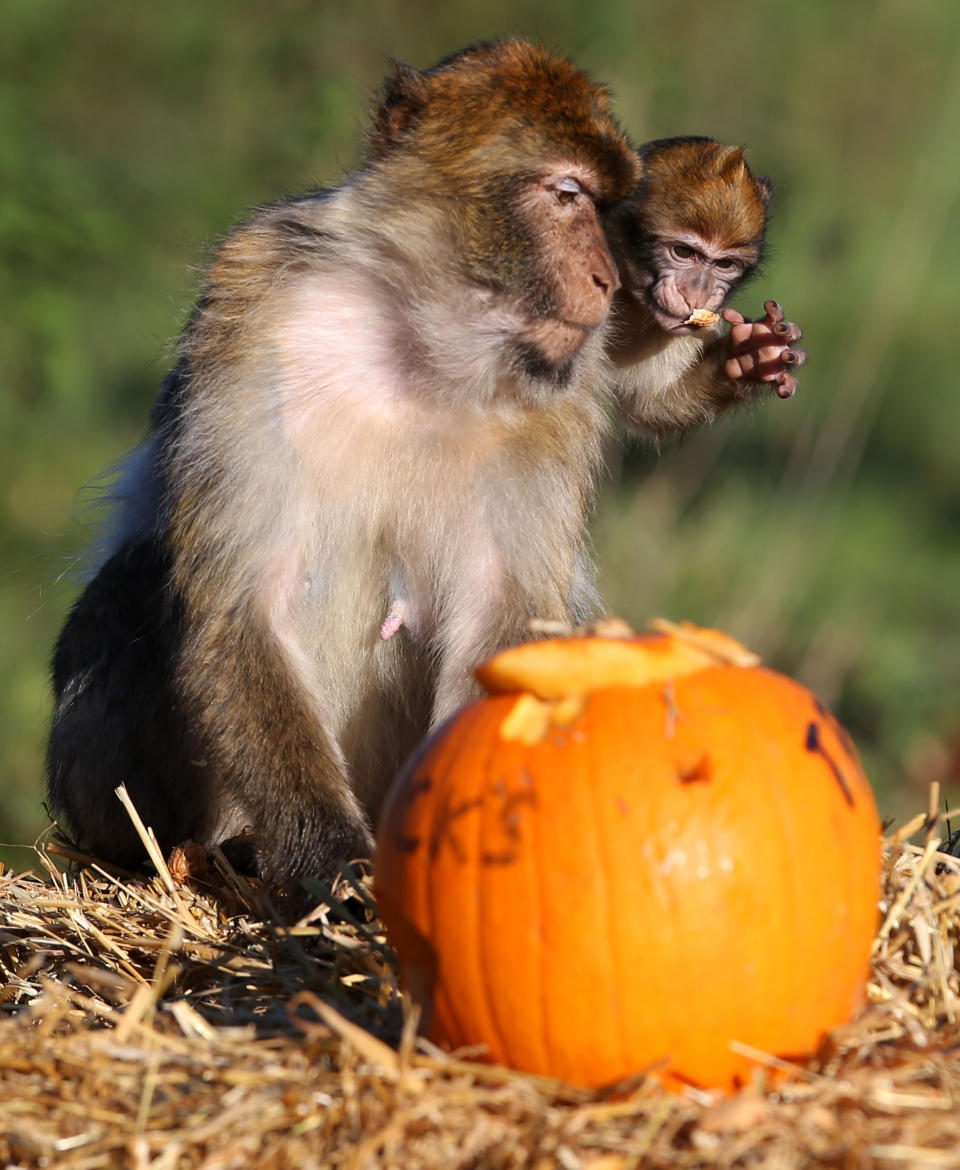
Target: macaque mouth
[(677, 324)]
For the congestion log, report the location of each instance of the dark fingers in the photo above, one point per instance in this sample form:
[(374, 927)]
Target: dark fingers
[(786, 386)]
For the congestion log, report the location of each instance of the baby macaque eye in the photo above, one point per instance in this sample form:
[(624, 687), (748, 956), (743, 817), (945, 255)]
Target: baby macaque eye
[(567, 190), (725, 264), (683, 251)]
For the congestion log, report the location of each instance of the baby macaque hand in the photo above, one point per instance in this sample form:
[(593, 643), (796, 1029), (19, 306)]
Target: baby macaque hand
[(762, 351)]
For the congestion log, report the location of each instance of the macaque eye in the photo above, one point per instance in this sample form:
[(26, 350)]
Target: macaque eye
[(683, 251), (567, 190), (726, 264)]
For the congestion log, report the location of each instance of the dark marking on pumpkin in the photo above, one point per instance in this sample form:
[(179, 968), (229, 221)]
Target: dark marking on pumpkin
[(443, 828), (511, 806), (813, 743), (849, 747), (407, 842), (505, 857), (695, 772)]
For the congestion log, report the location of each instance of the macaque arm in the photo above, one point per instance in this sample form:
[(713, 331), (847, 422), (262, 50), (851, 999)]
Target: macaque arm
[(693, 380), (265, 727)]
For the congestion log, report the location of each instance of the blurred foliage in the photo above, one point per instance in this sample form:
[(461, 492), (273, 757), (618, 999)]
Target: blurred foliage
[(822, 531)]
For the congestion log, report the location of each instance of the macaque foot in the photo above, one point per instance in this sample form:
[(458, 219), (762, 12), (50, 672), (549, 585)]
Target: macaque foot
[(762, 351)]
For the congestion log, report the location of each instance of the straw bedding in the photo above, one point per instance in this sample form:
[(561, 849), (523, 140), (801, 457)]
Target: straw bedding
[(171, 1022)]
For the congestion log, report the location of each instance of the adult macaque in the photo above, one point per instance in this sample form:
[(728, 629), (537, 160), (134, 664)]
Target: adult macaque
[(372, 464), (692, 233)]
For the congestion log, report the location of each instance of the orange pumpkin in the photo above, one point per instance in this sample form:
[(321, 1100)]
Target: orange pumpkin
[(630, 855)]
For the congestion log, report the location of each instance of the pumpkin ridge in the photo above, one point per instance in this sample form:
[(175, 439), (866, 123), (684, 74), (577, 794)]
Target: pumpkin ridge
[(431, 890), (848, 956), (797, 913), (847, 746), (589, 767), (439, 808), (480, 885), (540, 994)]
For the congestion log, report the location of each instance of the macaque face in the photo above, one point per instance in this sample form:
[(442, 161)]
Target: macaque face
[(520, 149), (687, 272), (693, 230), (571, 276)]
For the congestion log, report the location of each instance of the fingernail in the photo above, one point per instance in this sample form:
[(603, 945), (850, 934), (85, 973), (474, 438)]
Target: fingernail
[(789, 356)]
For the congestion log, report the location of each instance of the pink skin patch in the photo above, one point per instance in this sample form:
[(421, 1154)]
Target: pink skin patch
[(393, 621)]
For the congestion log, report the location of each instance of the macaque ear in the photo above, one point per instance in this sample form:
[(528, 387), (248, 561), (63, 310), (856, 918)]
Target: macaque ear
[(404, 96), (765, 188)]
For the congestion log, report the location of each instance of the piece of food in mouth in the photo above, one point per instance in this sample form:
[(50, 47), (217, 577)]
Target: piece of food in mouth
[(703, 318)]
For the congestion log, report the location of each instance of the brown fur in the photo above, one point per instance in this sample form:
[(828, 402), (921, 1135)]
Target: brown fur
[(704, 187)]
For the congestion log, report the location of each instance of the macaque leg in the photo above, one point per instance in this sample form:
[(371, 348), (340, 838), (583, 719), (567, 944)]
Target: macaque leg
[(289, 791), (118, 716), (762, 351), (473, 632), (456, 685)]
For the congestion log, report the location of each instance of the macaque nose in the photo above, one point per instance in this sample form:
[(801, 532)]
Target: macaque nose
[(605, 284), (696, 288), (605, 276), (586, 279)]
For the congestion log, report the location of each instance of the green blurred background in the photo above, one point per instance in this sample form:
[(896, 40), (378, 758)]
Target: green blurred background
[(821, 531)]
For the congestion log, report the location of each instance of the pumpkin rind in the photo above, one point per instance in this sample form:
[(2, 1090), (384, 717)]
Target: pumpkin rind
[(680, 865)]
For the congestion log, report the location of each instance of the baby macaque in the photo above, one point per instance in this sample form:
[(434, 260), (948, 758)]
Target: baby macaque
[(690, 236)]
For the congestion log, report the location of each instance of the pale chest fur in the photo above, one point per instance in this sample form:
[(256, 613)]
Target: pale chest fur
[(401, 521), (428, 481)]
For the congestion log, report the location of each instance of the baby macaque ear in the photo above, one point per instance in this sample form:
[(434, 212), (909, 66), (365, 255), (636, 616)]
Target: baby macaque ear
[(765, 188), (404, 96)]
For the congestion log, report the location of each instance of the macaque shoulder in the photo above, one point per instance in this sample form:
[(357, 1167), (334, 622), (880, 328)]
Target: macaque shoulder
[(290, 308)]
